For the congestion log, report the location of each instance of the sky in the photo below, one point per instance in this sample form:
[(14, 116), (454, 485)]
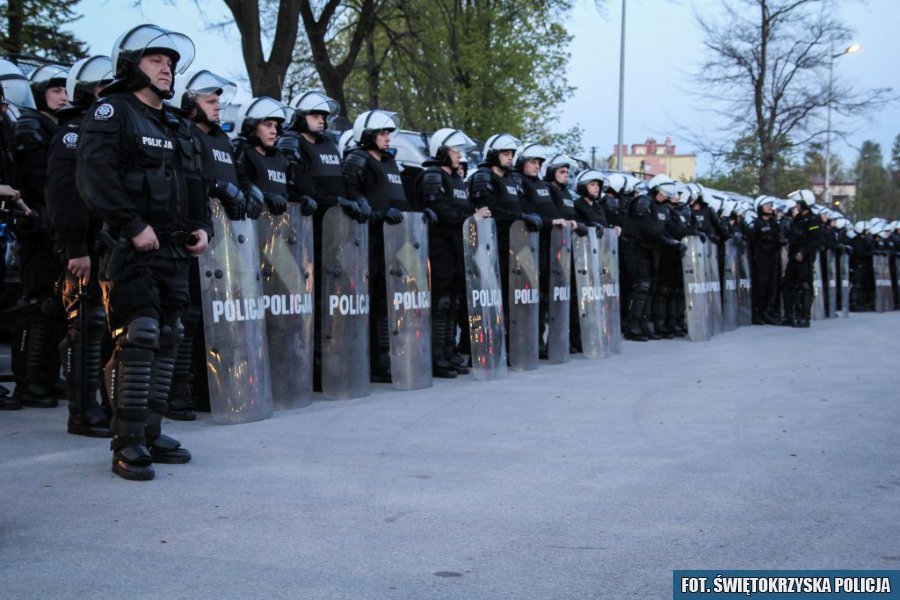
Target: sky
[(663, 49)]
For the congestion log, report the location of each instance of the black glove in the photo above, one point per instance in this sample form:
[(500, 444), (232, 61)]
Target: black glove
[(430, 216), (581, 230), (533, 221), (255, 202), (599, 228), (365, 210), (276, 202), (682, 248), (308, 206), (232, 199), (393, 216), (350, 207), (702, 238)]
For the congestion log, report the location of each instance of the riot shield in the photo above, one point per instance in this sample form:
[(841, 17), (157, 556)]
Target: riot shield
[(818, 305), (831, 281), (696, 289), (591, 318), (523, 298), (237, 360), (345, 306), (884, 300), (730, 278), (560, 292), (485, 299), (845, 284), (408, 301), (286, 256), (745, 292), (895, 284), (714, 286), (609, 285)]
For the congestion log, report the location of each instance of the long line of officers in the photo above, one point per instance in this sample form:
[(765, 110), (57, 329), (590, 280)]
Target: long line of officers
[(110, 167)]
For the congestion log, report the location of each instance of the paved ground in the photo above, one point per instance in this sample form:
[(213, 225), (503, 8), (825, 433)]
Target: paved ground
[(763, 448)]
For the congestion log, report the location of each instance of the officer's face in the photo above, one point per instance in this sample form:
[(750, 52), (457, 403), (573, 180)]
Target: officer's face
[(210, 106), (454, 156), (267, 132), (158, 68), (505, 157), (531, 167), (593, 187), (562, 176), (56, 97), (383, 140), (315, 122)]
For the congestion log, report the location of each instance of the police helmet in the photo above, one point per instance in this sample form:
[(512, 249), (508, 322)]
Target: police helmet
[(16, 90), (663, 183), (85, 76), (445, 139), (149, 39), (260, 109), (199, 83), (615, 183), (345, 143), (44, 78), (311, 103), (528, 152), (585, 177), (367, 126), (497, 143), (555, 163), (805, 198)]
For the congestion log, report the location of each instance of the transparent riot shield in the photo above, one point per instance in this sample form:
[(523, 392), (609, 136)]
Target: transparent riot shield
[(745, 292), (286, 258), (730, 279), (609, 285), (714, 286), (884, 300), (845, 284), (696, 289), (408, 301), (523, 298), (831, 281), (485, 299), (589, 295), (818, 305), (237, 360), (345, 306), (895, 284), (560, 292)]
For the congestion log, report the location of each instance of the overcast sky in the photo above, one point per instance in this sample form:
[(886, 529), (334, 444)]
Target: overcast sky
[(663, 47)]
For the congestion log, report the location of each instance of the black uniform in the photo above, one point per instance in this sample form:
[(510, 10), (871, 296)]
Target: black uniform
[(446, 195), (803, 240), (765, 242), (76, 232), (139, 166), (377, 182)]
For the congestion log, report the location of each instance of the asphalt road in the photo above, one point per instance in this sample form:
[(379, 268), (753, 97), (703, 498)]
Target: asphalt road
[(762, 448)]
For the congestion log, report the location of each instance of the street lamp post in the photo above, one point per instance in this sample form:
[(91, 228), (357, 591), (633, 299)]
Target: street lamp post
[(848, 50), (621, 93)]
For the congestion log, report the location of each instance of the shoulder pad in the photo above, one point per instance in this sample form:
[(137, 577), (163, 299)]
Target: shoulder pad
[(432, 184), (289, 144), (356, 159), (28, 129), (481, 184), (642, 206)]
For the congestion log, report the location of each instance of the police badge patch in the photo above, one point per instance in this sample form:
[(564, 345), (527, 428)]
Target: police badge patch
[(104, 112), (70, 140)]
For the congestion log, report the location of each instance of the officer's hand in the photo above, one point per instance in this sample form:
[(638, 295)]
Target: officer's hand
[(798, 257), (682, 248), (255, 202), (9, 192), (559, 222), (618, 231), (532, 221), (393, 216), (702, 239), (430, 216), (365, 210), (26, 210), (81, 268), (483, 213), (276, 202), (146, 240), (581, 230), (350, 207), (308, 206), (232, 199), (202, 243)]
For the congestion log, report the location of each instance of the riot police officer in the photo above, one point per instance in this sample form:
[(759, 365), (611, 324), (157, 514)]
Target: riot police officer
[(765, 252), (441, 189), (373, 181), (76, 232), (140, 170), (803, 249), (199, 96), (645, 229), (35, 358), (261, 167)]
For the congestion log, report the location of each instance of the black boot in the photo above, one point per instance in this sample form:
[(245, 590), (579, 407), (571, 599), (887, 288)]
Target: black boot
[(181, 401), (803, 299), (381, 351), (440, 318), (127, 376), (164, 449), (632, 328), (36, 341), (450, 353), (80, 357)]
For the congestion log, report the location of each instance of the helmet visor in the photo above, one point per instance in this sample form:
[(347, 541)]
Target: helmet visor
[(16, 90), (149, 38), (205, 82)]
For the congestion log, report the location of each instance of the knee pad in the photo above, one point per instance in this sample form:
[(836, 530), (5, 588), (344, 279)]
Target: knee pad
[(191, 316), (171, 335), (641, 287), (142, 332)]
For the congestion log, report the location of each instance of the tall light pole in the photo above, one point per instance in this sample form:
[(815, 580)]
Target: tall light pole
[(621, 94), (826, 194)]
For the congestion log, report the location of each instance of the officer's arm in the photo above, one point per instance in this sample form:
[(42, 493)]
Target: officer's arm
[(297, 182), (68, 213), (431, 192), (242, 166), (98, 177), (31, 160), (354, 171)]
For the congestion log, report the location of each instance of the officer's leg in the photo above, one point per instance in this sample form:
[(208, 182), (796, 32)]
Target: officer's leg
[(653, 270), (317, 306), (804, 293), (36, 340), (639, 274), (459, 313), (441, 257), (379, 334), (181, 401)]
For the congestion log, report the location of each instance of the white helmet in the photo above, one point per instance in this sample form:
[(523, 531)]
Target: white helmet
[(804, 196), (728, 207), (44, 77), (201, 83), (665, 184), (585, 177), (448, 138), (750, 216), (15, 88), (369, 123), (615, 182), (228, 118), (631, 184), (860, 227), (84, 76), (529, 151), (148, 39), (497, 143), (259, 109), (313, 102), (344, 142), (695, 192)]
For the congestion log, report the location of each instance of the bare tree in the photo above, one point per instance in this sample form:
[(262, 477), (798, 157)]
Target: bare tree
[(768, 66)]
